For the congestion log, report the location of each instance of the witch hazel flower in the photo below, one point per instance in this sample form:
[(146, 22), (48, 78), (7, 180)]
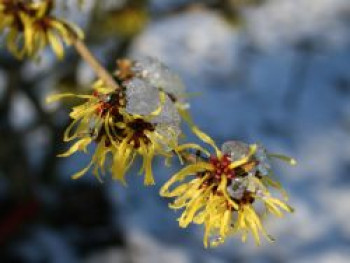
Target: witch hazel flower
[(30, 27), (221, 191), (96, 121), (152, 127), (135, 120)]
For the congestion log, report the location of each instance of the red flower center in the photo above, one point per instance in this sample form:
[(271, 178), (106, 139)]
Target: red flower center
[(221, 167), (109, 103)]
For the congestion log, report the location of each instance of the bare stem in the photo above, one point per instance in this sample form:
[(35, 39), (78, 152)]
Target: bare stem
[(100, 71)]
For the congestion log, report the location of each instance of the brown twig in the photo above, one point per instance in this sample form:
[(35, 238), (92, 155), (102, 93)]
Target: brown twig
[(100, 71)]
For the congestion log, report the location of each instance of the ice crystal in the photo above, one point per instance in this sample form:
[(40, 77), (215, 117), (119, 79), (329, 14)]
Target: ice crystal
[(160, 76), (235, 149), (261, 156), (141, 97)]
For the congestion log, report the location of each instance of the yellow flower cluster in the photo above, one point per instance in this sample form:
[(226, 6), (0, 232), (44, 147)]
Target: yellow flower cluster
[(105, 119), (220, 191), (30, 27)]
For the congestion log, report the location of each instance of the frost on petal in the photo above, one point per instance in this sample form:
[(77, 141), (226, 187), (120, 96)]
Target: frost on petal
[(141, 97), (236, 189), (261, 156), (168, 135), (240, 185), (235, 149), (261, 153), (160, 76), (169, 114)]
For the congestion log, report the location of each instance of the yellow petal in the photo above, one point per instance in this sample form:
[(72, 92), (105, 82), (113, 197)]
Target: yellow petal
[(158, 110), (193, 146), (62, 30), (42, 9), (74, 29), (195, 204), (82, 172), (98, 159), (80, 145), (178, 190), (284, 158), (253, 224), (200, 217), (273, 209), (56, 44), (67, 137), (107, 124), (252, 150), (189, 190), (225, 223), (83, 110), (206, 233), (205, 138), (185, 199), (147, 164), (269, 181), (28, 32), (40, 40), (260, 226), (281, 204), (223, 188), (182, 174), (12, 45), (56, 97), (185, 115), (121, 161)]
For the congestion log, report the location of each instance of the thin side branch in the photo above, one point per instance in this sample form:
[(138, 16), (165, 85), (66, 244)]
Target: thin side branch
[(100, 71)]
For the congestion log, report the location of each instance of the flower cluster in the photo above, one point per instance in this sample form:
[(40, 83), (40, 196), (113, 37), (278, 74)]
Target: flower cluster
[(222, 191), (30, 27), (138, 119)]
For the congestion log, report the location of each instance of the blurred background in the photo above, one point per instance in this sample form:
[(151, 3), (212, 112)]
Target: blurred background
[(269, 71)]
